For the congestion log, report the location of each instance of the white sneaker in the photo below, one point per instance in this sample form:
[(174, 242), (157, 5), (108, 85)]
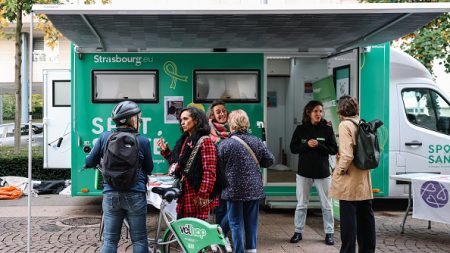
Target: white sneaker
[(214, 248), (228, 245)]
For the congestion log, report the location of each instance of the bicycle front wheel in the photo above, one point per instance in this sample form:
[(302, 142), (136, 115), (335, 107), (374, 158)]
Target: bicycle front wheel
[(175, 247), (214, 249)]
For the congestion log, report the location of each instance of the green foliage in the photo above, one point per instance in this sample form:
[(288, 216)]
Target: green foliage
[(9, 106), (12, 164), (430, 42), (14, 8)]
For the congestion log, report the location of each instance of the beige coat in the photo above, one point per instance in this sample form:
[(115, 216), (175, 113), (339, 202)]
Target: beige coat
[(349, 182)]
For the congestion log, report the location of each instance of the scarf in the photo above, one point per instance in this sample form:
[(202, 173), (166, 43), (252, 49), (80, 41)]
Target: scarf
[(181, 153), (218, 131)]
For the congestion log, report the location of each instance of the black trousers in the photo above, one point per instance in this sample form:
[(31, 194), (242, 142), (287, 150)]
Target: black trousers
[(357, 224)]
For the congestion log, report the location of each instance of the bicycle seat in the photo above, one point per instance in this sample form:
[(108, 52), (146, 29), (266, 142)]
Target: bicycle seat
[(167, 194)]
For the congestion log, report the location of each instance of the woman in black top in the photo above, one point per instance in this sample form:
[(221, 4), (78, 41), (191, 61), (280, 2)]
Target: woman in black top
[(314, 141)]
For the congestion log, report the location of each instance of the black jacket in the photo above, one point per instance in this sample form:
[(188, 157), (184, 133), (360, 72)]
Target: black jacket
[(313, 162)]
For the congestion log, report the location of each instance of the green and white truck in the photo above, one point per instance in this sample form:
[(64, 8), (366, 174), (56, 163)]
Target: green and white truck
[(267, 59)]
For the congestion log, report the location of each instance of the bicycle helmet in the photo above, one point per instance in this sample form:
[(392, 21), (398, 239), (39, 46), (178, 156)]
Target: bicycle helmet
[(123, 111)]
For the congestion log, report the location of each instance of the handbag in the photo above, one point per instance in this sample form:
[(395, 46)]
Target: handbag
[(178, 183)]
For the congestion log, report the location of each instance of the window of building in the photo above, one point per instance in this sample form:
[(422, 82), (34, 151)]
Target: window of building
[(44, 53)]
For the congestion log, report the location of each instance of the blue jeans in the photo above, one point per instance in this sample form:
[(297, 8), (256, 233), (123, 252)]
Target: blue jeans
[(304, 185), (116, 207), (243, 218), (222, 217)]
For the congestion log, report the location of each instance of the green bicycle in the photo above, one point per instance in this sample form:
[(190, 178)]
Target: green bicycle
[(189, 235)]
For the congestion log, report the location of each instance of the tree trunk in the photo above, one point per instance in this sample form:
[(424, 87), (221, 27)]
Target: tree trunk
[(17, 80)]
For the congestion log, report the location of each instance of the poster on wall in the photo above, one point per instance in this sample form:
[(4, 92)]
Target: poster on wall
[(308, 91), (341, 79), (271, 99), (172, 105)]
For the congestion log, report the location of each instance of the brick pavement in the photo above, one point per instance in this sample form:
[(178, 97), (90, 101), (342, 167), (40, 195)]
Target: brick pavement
[(60, 233)]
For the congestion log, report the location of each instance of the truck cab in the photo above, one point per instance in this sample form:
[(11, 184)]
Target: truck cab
[(419, 118)]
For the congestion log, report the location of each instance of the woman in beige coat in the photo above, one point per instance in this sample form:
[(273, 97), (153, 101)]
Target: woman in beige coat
[(352, 186)]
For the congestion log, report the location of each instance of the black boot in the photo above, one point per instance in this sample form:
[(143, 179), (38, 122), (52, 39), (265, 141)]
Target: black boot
[(329, 240), (296, 237)]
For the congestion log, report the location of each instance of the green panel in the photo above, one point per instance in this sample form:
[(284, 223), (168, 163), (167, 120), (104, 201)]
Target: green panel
[(324, 89), (335, 207), (279, 190), (342, 74), (92, 119), (98, 180), (196, 234), (374, 102), (325, 92)]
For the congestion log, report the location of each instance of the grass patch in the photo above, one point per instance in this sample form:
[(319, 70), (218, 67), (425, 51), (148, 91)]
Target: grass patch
[(9, 152)]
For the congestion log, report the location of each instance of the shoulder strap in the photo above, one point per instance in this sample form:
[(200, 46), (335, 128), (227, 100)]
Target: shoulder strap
[(357, 124), (105, 145), (193, 154), (246, 147)]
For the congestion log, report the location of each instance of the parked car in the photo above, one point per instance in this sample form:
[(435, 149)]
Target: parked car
[(7, 135)]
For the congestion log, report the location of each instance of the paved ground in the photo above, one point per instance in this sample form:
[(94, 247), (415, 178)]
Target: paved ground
[(70, 224)]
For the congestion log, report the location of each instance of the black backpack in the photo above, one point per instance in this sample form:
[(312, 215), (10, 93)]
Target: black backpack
[(120, 160), (367, 149)]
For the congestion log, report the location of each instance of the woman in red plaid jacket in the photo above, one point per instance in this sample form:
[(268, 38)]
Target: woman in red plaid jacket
[(198, 180)]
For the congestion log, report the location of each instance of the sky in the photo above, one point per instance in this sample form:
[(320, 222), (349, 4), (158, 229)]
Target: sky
[(442, 78)]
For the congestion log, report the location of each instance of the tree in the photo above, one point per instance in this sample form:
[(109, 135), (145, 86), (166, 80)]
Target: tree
[(431, 42), (13, 11)]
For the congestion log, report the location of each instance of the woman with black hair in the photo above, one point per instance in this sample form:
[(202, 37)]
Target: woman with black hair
[(314, 141), (197, 179)]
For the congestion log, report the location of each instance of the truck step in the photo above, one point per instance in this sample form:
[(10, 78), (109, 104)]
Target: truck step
[(292, 204)]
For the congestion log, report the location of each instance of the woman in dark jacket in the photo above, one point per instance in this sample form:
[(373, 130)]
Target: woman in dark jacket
[(198, 181), (314, 141), (245, 186)]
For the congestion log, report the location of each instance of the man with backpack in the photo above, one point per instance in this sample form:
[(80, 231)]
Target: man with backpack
[(125, 160)]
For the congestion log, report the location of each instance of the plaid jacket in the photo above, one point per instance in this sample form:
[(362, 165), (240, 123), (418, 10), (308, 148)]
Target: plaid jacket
[(185, 204)]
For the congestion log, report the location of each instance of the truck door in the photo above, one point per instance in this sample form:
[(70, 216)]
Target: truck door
[(57, 119), (424, 128)]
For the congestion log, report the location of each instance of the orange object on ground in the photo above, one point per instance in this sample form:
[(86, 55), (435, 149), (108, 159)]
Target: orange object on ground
[(10, 192)]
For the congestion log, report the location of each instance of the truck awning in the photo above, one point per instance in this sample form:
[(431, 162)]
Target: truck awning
[(297, 28)]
